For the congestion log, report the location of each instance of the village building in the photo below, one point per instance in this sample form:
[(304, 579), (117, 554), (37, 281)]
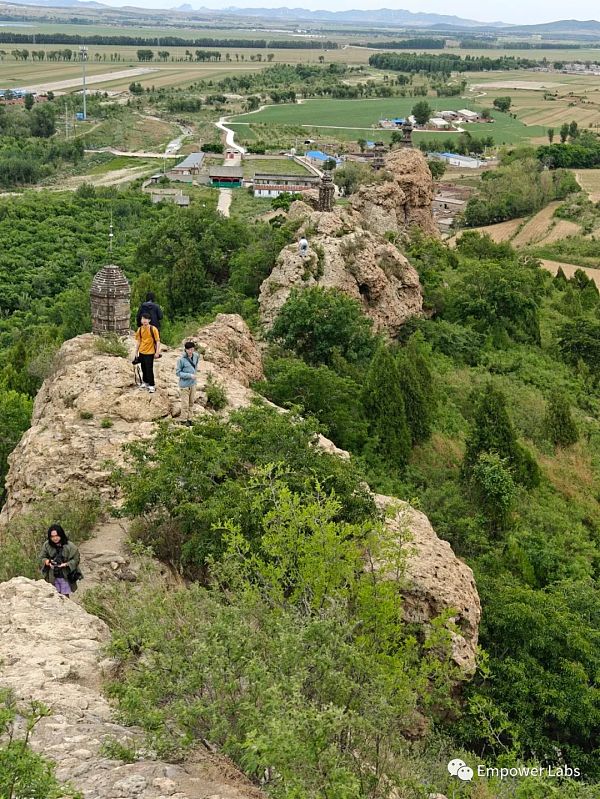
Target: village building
[(462, 161), (468, 116), (267, 185), (226, 176), (188, 168), (318, 158)]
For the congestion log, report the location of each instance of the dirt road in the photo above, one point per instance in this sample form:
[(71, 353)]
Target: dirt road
[(56, 86)]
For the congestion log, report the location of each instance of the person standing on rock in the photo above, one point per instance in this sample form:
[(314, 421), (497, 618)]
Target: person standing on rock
[(186, 372), (60, 561), (151, 307), (147, 350)]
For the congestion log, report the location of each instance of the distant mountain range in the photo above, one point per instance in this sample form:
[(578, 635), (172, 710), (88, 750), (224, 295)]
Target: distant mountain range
[(383, 17)]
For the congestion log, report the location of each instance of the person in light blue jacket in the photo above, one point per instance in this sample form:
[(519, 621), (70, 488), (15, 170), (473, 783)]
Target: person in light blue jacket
[(186, 372)]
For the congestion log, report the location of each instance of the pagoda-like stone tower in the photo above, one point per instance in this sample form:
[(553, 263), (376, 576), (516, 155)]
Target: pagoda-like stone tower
[(326, 192), (379, 151), (109, 297)]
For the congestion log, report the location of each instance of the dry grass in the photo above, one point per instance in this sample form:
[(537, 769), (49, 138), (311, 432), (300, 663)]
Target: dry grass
[(571, 473), (589, 180)]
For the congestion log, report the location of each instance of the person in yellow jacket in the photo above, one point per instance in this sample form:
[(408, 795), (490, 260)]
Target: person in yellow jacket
[(147, 350)]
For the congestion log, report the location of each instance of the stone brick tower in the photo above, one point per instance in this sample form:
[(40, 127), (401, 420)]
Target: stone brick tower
[(379, 151), (109, 297), (326, 192)]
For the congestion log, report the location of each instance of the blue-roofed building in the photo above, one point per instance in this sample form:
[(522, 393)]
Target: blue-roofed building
[(399, 121), (318, 158)]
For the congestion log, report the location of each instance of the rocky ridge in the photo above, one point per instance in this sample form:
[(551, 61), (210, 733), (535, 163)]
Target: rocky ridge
[(349, 249), (52, 651)]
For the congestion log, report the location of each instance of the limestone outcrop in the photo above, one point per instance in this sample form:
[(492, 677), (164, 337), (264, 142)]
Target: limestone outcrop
[(362, 265), (51, 651), (349, 249), (436, 580), (412, 176), (90, 407)]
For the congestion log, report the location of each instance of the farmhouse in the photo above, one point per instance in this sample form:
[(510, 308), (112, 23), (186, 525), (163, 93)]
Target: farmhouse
[(454, 159), (188, 168), (226, 177), (468, 116), (439, 123), (267, 185)]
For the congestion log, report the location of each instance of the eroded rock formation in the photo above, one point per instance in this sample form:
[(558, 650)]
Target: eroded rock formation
[(362, 265), (90, 408), (349, 249), (70, 450)]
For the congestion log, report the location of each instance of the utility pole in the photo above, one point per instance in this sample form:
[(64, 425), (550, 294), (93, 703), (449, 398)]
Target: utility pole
[(83, 55)]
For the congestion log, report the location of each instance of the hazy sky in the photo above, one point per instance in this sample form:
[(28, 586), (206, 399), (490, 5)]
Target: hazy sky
[(516, 11)]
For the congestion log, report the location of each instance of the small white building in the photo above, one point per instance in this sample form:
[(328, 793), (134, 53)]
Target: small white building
[(462, 161), (468, 116), (439, 123)]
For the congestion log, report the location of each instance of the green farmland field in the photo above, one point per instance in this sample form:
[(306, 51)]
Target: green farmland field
[(352, 119)]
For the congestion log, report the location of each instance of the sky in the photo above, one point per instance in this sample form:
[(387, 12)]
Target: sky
[(514, 11)]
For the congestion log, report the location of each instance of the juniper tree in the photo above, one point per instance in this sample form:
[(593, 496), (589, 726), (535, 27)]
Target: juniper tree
[(383, 404), (416, 402), (559, 424), (493, 432)]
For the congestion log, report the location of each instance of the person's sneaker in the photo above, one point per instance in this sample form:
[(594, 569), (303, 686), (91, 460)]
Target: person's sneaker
[(151, 389), (143, 385)]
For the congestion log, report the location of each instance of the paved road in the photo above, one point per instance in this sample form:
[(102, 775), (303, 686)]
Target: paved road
[(224, 202)]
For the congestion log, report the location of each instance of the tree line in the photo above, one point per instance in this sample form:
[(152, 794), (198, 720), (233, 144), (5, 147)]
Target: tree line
[(163, 41), (447, 63)]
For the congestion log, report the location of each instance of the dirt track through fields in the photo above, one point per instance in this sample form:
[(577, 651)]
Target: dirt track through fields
[(537, 227), (60, 85)]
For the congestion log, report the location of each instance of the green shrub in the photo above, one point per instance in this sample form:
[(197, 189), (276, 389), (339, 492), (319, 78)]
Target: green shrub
[(184, 482), (216, 395), (25, 774), (493, 433), (114, 749), (86, 415), (106, 423), (111, 344), (318, 323), (559, 424), (384, 408), (321, 392)]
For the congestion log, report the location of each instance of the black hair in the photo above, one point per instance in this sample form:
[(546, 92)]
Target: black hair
[(188, 345), (56, 528), (150, 296), (146, 316)]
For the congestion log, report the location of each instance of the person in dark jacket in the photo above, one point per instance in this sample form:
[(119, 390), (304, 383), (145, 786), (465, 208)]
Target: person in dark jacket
[(60, 561), (152, 308)]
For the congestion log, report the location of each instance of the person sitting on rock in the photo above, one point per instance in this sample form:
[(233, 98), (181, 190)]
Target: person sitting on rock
[(303, 247), (186, 372), (151, 307), (60, 561), (148, 348)]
